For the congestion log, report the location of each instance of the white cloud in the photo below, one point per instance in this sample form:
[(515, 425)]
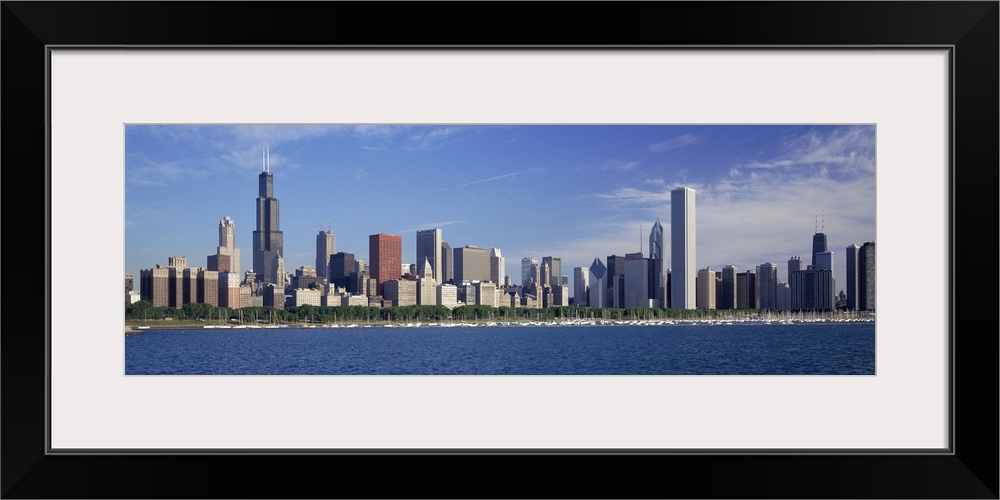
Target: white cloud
[(676, 142)]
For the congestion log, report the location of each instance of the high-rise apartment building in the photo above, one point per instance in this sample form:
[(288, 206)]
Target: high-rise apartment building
[(385, 258), (268, 241), (682, 248), (227, 256), (794, 264), (866, 277), (852, 276), (767, 286), (656, 264), (429, 249), (326, 246)]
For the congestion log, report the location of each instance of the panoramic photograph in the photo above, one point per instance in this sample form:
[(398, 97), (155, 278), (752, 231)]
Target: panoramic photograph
[(391, 249)]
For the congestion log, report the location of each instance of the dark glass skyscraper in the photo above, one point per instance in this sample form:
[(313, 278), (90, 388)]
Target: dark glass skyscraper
[(267, 238), (819, 246)]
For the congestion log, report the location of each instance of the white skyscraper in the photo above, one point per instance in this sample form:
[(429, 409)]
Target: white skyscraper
[(682, 251), (581, 281)]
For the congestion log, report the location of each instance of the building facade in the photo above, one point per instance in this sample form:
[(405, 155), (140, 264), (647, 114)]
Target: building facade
[(705, 287), (385, 258), (767, 286), (472, 264), (227, 256), (866, 277), (326, 246), (429, 247)]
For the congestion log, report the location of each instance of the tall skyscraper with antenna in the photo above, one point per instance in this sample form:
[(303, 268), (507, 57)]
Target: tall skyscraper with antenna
[(819, 242), (268, 241), (682, 250)]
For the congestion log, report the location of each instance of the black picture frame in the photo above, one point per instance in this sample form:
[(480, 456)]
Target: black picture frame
[(970, 28)]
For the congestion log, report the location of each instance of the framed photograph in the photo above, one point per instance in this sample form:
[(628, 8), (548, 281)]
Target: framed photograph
[(149, 134)]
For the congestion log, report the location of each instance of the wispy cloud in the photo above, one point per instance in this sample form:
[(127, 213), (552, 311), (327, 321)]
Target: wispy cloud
[(676, 142), (434, 139), (618, 165), (360, 173), (845, 151), (480, 181)]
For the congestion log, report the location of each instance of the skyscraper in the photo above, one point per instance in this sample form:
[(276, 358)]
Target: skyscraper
[(526, 269), (706, 289), (227, 256), (728, 293), (497, 267), (268, 240), (682, 249), (819, 246), (326, 245), (794, 265), (472, 264), (852, 276), (385, 258), (447, 268), (598, 295), (429, 250), (581, 279), (866, 277), (555, 269), (636, 280), (656, 261), (767, 286)]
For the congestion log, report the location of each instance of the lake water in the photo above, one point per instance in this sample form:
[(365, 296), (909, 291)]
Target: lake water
[(739, 349)]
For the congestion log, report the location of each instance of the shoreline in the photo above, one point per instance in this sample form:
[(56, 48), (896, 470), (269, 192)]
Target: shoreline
[(138, 329)]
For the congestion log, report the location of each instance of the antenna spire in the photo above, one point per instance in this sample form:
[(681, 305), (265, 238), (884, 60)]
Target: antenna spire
[(268, 159), (823, 220), (263, 163)]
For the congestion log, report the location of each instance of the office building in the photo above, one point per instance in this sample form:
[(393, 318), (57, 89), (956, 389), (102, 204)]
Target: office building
[(705, 287), (429, 247), (746, 290), (340, 268), (581, 285), (227, 256), (819, 246), (794, 264), (326, 246), (526, 273), (727, 290), (560, 295), (554, 275), (486, 294), (497, 266), (636, 280), (812, 290), (866, 277), (767, 286), (472, 264), (447, 268), (385, 258), (656, 264), (268, 240), (229, 290), (852, 277), (598, 293), (399, 292), (447, 295), (682, 248)]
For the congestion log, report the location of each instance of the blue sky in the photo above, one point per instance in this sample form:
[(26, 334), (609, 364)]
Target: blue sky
[(571, 191)]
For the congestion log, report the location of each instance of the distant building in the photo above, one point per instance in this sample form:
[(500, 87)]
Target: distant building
[(581, 286), (472, 264), (682, 244), (727, 292), (598, 293), (429, 249), (851, 300), (208, 287), (555, 269), (866, 277), (819, 246), (746, 290), (154, 285), (767, 286), (340, 268), (486, 294), (447, 268), (385, 258), (812, 290), (326, 246), (656, 264), (447, 295), (268, 240), (526, 274), (229, 290), (560, 295), (227, 256), (794, 264), (400, 293), (307, 296), (497, 266), (636, 280), (705, 287)]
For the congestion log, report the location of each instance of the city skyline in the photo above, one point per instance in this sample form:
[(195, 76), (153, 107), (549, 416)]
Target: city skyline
[(577, 192)]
